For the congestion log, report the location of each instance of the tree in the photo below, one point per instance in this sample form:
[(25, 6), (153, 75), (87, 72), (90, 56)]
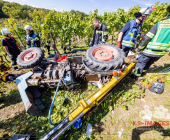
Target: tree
[(14, 10)]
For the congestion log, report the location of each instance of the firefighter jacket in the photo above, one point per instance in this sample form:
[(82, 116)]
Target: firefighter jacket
[(100, 35), (132, 34), (34, 39), (159, 35)]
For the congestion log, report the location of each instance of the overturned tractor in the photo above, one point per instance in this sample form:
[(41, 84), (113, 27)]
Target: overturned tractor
[(97, 67), (103, 65)]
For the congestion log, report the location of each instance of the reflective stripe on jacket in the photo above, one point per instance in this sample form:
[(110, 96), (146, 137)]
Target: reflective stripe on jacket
[(99, 34), (32, 38), (132, 35), (160, 43)]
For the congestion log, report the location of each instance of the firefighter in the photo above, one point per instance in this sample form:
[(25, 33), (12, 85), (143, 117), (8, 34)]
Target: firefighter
[(159, 43), (11, 46), (32, 39), (100, 34), (130, 33)]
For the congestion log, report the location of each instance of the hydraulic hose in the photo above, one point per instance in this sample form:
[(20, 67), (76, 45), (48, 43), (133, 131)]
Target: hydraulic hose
[(51, 107)]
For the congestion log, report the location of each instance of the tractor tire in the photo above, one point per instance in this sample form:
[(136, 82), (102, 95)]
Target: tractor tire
[(104, 58), (30, 57)]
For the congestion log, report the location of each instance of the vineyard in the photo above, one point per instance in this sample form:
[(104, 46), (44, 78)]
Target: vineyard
[(62, 28)]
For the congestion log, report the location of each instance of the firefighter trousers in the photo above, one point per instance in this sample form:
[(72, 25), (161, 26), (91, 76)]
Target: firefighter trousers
[(144, 62)]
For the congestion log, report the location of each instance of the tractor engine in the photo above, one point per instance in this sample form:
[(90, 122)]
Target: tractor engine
[(51, 75)]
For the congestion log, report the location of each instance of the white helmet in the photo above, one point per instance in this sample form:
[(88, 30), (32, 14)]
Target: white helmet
[(146, 11), (142, 10), (28, 27), (5, 31)]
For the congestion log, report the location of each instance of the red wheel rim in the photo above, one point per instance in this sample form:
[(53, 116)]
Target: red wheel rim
[(29, 56), (104, 53)]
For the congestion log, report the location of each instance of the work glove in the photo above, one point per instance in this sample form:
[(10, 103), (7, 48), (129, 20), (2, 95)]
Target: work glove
[(28, 42), (119, 44)]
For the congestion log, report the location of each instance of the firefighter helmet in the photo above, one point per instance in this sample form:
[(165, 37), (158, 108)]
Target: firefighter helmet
[(28, 27), (5, 31), (146, 11)]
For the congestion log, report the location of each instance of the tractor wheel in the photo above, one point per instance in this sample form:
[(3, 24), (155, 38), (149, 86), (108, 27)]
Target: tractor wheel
[(104, 58), (30, 57)]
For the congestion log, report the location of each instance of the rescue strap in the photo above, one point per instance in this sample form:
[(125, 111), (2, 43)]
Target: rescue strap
[(8, 43)]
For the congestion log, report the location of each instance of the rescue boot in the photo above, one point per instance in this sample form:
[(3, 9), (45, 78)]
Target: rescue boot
[(143, 72)]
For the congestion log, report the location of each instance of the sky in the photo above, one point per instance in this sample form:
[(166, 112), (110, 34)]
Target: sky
[(88, 5)]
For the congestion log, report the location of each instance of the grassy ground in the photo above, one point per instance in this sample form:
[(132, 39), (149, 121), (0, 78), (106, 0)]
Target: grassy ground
[(127, 107)]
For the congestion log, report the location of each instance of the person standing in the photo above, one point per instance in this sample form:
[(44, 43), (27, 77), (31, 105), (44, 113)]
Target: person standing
[(11, 46), (32, 39), (159, 44), (100, 34), (130, 33)]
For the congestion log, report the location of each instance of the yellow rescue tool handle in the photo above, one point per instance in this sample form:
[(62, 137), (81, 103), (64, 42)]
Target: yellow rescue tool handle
[(86, 105)]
